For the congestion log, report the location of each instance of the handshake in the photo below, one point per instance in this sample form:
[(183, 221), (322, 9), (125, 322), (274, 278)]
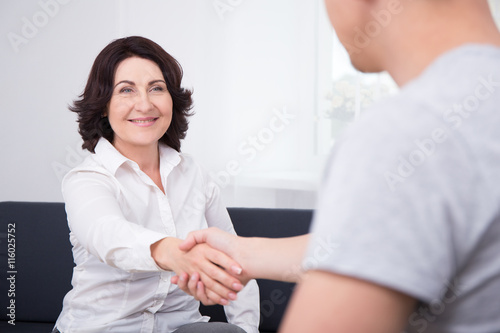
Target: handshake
[(213, 265)]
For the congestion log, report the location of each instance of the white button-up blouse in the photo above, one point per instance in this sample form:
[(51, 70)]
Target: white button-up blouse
[(115, 212)]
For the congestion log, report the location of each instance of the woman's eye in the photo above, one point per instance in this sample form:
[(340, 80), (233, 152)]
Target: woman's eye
[(126, 90), (157, 88)]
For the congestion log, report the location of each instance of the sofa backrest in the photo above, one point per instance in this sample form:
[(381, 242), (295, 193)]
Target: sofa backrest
[(34, 236)]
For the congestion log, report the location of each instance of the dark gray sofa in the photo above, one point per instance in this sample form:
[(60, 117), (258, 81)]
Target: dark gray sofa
[(36, 262)]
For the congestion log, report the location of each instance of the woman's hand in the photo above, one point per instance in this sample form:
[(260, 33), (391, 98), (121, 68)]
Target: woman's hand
[(193, 286), (204, 264)]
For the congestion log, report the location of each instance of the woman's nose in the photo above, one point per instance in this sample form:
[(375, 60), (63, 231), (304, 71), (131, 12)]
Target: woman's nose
[(143, 103)]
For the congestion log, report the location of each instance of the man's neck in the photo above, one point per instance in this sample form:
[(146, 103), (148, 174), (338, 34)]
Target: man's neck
[(415, 46)]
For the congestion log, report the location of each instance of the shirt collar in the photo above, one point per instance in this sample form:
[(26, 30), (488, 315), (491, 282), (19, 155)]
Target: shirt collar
[(112, 159), (169, 158)]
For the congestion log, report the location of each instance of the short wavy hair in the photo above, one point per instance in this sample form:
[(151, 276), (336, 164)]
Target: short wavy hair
[(92, 103)]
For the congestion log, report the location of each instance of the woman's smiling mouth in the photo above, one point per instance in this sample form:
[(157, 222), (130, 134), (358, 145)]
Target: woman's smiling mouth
[(144, 122)]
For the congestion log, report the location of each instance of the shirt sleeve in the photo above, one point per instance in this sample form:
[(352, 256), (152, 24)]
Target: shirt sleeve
[(98, 224), (245, 311), (393, 206)]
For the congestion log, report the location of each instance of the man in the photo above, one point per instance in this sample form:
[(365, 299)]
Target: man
[(407, 230)]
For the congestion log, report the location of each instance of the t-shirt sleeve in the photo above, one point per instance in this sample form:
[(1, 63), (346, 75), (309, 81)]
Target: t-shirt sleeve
[(389, 206)]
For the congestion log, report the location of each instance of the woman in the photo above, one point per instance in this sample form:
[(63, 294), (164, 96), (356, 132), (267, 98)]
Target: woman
[(131, 202)]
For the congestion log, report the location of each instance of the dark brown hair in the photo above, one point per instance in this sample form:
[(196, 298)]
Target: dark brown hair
[(98, 91)]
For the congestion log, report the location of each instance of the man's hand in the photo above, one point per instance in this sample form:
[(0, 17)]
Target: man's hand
[(202, 262), (222, 241), (265, 258), (214, 237), (234, 246)]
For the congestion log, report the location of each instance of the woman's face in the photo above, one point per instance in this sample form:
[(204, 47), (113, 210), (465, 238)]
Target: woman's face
[(140, 109)]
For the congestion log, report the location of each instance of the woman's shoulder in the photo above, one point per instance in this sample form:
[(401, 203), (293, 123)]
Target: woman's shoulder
[(89, 167)]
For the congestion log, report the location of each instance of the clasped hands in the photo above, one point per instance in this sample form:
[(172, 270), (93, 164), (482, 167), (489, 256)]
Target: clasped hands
[(203, 268)]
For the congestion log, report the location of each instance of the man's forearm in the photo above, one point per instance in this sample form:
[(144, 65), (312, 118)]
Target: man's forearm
[(273, 258)]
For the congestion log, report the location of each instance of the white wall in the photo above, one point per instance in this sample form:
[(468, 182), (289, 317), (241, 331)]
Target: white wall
[(247, 61)]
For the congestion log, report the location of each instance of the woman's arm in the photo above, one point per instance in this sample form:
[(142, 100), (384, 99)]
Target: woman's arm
[(98, 223)]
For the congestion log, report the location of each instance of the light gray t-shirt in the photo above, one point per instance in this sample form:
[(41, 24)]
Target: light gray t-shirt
[(411, 198)]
